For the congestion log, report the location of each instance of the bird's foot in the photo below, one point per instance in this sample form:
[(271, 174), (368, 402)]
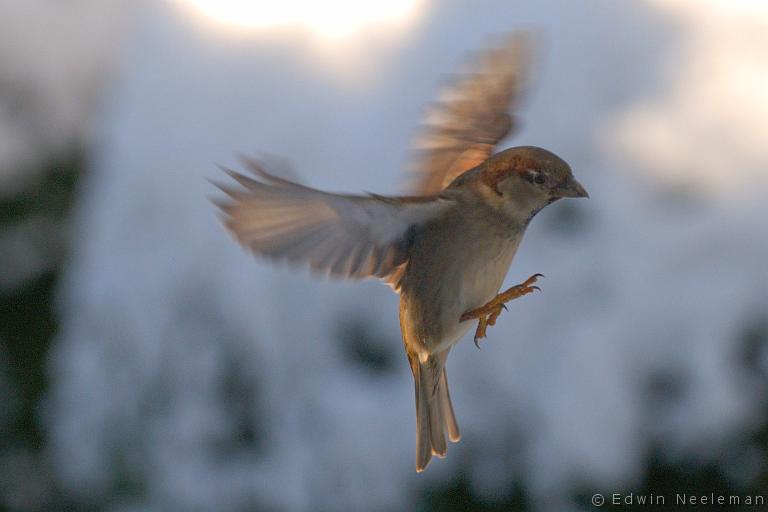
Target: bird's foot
[(489, 312)]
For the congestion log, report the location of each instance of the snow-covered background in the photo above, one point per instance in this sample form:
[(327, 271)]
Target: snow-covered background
[(187, 376)]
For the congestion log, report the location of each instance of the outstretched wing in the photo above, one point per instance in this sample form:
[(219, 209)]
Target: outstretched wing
[(342, 235), (461, 130)]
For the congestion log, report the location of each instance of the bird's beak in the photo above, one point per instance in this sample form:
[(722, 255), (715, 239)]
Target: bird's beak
[(571, 188)]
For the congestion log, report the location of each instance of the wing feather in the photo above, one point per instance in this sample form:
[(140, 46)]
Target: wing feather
[(462, 129), (352, 236)]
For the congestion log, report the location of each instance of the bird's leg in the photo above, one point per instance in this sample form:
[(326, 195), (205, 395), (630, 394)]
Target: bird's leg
[(489, 312)]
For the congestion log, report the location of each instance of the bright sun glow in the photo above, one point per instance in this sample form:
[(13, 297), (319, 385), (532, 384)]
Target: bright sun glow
[(708, 126), (330, 18)]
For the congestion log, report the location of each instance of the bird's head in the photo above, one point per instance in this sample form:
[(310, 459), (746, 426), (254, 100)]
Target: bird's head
[(523, 180)]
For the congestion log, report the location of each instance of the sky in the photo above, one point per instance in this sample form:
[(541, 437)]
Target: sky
[(657, 105), (55, 60)]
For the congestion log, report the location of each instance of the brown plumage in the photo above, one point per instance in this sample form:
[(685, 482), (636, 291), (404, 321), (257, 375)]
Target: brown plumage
[(445, 250), (471, 116)]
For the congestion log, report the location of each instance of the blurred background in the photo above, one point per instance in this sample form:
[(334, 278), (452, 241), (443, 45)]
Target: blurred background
[(149, 363)]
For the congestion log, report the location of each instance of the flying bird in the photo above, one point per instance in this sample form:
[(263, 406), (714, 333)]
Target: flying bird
[(446, 248)]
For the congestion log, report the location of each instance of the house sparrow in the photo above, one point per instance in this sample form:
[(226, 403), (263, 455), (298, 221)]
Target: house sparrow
[(445, 250)]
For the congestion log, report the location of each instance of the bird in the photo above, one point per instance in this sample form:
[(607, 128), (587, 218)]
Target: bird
[(446, 247)]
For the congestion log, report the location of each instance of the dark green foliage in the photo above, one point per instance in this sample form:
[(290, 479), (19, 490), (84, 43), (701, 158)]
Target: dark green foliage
[(52, 195), (753, 347), (457, 496), (240, 399), (27, 325), (28, 322), (361, 344), (665, 483)]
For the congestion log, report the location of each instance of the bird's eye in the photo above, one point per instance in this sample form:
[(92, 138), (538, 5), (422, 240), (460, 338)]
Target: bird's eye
[(539, 179)]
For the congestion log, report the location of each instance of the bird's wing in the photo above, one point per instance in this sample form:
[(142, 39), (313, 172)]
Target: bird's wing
[(342, 235), (472, 115)]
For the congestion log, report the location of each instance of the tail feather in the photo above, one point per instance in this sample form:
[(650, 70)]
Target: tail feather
[(434, 412), (423, 437), (447, 409), (436, 426)]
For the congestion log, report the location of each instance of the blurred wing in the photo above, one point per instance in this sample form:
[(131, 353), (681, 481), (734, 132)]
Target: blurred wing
[(343, 235), (461, 130)]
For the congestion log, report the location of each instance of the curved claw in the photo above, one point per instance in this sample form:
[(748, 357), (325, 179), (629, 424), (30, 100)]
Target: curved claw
[(528, 282), (488, 313)]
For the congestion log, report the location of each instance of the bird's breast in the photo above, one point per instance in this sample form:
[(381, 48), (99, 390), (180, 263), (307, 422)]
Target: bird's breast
[(480, 275), (449, 274)]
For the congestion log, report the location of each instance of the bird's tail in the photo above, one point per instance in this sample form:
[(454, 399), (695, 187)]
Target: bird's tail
[(434, 412)]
